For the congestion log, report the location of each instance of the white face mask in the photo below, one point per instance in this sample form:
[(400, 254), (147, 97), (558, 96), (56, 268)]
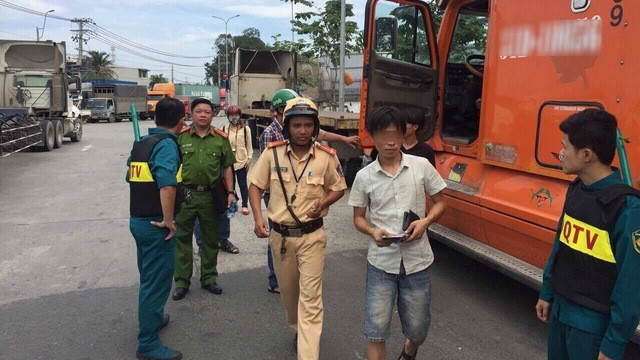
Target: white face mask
[(234, 119)]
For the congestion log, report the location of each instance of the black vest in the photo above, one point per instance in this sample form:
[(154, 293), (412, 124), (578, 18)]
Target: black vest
[(144, 193), (584, 270)]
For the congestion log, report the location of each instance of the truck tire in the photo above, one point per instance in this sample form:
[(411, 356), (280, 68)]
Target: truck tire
[(112, 118), (143, 116), (76, 136), (58, 130), (118, 119), (251, 122), (48, 136), (351, 168)]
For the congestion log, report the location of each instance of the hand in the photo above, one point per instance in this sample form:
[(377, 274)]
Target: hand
[(602, 356), (377, 233), (230, 199), (247, 165), (315, 211), (353, 141), (542, 311), (169, 225), (416, 229), (261, 229)]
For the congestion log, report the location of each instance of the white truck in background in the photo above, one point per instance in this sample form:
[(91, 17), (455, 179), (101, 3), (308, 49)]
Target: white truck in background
[(34, 90)]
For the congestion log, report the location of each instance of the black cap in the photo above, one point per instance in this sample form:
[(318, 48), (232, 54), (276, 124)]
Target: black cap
[(198, 101)]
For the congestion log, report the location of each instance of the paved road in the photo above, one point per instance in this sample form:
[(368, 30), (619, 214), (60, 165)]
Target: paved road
[(68, 278)]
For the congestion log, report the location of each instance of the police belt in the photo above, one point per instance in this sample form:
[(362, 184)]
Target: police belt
[(197, 187), (298, 231)]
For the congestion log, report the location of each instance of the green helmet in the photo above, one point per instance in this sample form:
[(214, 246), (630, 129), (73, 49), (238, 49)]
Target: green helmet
[(281, 97)]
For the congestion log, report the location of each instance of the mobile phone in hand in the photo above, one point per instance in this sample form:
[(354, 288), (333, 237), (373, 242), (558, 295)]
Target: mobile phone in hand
[(396, 238)]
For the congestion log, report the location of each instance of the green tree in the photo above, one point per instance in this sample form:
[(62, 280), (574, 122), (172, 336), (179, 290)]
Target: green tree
[(322, 27), (99, 66), (156, 79)]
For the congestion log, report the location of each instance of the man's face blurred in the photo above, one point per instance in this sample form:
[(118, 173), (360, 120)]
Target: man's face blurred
[(278, 114), (388, 141), (202, 115), (411, 130)]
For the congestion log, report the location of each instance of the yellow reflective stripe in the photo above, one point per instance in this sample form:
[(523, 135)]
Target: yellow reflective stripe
[(179, 175), (140, 172), (587, 239)]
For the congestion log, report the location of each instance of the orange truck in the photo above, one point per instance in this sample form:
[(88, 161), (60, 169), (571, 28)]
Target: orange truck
[(159, 91), (492, 105)]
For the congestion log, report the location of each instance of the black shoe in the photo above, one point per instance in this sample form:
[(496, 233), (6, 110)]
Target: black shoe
[(213, 288), (295, 342), (162, 353), (165, 321), (180, 293)]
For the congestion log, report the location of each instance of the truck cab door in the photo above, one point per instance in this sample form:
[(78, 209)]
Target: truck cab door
[(110, 108), (400, 63)]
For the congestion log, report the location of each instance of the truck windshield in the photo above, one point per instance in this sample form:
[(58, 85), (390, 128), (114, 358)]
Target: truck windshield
[(96, 103), (156, 97), (33, 81)]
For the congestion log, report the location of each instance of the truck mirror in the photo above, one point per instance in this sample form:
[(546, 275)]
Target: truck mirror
[(386, 35)]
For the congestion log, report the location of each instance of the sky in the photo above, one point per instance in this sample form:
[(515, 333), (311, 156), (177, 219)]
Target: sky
[(184, 27)]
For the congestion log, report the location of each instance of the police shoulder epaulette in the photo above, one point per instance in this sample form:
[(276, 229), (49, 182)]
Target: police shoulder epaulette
[(220, 132), (326, 149), (185, 129), (276, 143)]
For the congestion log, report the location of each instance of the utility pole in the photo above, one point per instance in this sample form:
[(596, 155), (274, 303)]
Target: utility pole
[(79, 37), (226, 40), (343, 12), (172, 73), (219, 78)]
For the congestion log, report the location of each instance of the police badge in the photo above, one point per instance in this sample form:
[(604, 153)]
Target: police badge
[(635, 236)]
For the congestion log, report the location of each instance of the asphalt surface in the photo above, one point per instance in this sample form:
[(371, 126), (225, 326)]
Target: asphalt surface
[(68, 277)]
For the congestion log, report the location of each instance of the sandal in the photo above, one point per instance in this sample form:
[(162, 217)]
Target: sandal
[(245, 211), (274, 289), (229, 247), (405, 356)]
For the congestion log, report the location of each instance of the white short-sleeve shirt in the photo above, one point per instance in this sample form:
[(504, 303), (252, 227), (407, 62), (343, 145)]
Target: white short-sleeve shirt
[(386, 197)]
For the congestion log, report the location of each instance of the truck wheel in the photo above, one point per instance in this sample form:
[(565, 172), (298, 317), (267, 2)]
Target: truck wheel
[(143, 116), (76, 136), (112, 118), (118, 119), (48, 136), (58, 131), (351, 168), (251, 122)]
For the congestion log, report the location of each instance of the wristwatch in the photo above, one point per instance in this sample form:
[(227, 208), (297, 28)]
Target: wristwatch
[(232, 193)]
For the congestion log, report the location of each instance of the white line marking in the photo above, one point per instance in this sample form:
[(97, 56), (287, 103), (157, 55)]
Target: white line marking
[(86, 147)]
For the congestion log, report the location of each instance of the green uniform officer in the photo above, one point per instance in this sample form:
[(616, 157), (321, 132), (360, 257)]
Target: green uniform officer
[(590, 293), (206, 156), (153, 170)]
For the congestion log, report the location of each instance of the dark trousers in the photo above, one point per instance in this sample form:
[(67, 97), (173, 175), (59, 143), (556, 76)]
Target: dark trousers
[(156, 264), (566, 342), (241, 176)]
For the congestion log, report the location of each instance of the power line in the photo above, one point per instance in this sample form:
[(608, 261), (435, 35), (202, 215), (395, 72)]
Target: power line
[(113, 36), (118, 46), (14, 34), (118, 38), (30, 11)]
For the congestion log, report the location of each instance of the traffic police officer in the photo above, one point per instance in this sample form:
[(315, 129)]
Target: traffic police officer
[(153, 171), (206, 155), (590, 293), (304, 179)]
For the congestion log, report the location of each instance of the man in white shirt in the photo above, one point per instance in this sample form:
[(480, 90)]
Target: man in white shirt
[(398, 268)]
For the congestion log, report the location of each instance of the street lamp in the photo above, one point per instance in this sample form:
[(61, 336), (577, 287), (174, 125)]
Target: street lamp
[(226, 39), (38, 35)]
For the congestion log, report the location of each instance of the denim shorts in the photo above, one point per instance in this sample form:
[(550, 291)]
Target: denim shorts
[(413, 296)]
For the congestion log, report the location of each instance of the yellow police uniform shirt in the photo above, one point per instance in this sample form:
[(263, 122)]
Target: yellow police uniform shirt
[(322, 174)]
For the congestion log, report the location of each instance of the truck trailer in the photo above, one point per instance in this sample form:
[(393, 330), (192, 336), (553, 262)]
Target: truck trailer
[(34, 90)]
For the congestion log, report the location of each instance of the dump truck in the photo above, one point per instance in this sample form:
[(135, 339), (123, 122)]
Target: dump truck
[(258, 75), (112, 102), (36, 109), (492, 105)]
